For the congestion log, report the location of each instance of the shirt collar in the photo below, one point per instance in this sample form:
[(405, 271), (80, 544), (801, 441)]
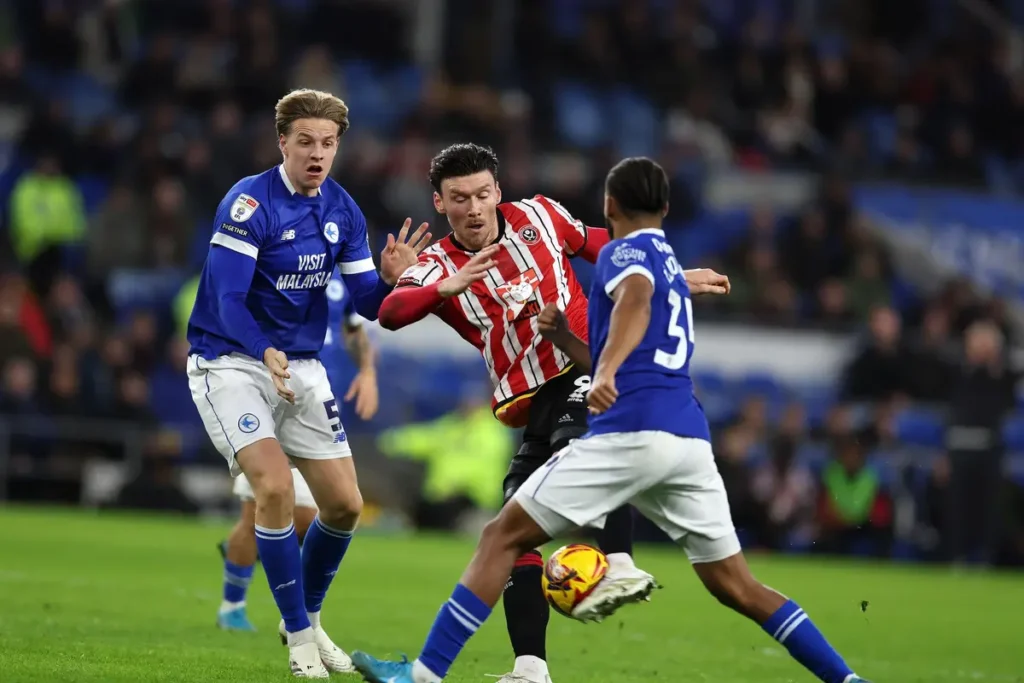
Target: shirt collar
[(650, 231), (288, 183)]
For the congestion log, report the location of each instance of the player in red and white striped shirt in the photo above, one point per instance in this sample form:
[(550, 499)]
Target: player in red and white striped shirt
[(489, 279)]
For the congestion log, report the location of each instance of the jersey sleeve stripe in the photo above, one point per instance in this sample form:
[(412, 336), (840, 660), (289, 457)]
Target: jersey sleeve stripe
[(235, 244), (356, 267), (634, 269)]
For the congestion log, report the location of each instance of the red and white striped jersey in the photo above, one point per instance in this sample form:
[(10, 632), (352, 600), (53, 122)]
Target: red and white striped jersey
[(498, 315)]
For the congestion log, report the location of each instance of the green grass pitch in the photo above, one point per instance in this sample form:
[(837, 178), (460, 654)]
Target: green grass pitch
[(120, 598)]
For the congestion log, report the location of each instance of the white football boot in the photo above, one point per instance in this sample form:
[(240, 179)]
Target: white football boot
[(333, 657), (527, 670), (305, 662), (623, 584)]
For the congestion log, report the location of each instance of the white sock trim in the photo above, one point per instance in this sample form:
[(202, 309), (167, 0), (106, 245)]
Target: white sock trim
[(300, 637), (226, 606), (333, 531), (624, 560), (421, 674), (314, 619)]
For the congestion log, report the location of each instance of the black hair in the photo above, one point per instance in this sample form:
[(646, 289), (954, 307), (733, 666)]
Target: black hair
[(639, 186), (459, 160)]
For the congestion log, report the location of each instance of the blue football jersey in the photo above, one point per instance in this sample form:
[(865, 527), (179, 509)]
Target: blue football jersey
[(341, 313), (654, 385), (296, 242)]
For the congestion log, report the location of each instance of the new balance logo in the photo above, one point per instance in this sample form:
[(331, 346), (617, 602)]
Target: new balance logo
[(285, 585), (287, 235)]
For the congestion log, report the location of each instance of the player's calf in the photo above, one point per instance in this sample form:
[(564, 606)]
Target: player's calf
[(333, 485), (269, 474), (732, 584), (239, 562)]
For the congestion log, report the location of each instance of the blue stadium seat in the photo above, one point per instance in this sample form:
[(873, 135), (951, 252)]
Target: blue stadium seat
[(579, 116), (88, 100), (708, 382), (94, 190), (920, 427), (761, 384), (813, 456), (635, 124), (817, 402), (1013, 434)]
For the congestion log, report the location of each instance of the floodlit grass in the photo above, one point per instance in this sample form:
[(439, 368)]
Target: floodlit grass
[(107, 598)]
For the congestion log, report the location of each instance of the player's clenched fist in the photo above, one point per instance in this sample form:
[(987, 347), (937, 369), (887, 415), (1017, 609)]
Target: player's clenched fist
[(277, 363), (707, 281), (552, 325), (474, 271), (602, 393)]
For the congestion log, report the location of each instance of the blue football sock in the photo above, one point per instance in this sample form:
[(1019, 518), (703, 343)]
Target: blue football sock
[(282, 563), (236, 581), (458, 619), (322, 551), (791, 626)]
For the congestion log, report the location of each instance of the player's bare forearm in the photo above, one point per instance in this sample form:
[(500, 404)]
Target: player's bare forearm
[(578, 352), (629, 320), (357, 343)]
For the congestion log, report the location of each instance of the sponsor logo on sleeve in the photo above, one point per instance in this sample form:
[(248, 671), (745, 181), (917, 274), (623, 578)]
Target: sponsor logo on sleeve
[(243, 208)]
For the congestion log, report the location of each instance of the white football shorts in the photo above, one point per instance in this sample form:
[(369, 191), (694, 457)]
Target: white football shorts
[(239, 406), (303, 496), (671, 480)]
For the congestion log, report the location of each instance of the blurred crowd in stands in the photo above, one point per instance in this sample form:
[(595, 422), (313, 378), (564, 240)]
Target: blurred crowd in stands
[(123, 123)]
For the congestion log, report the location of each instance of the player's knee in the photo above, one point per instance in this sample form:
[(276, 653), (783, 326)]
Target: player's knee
[(509, 533), (276, 494), (344, 512), (496, 536)]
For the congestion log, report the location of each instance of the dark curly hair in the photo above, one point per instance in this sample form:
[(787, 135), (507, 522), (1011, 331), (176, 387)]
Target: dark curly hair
[(460, 160)]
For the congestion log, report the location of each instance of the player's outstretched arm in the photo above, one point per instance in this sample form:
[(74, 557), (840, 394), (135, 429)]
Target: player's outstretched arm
[(421, 289), (630, 317), (363, 390), (368, 288), (554, 327), (706, 281)]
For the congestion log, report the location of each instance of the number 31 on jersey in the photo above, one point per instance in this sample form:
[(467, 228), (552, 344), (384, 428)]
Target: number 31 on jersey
[(677, 358)]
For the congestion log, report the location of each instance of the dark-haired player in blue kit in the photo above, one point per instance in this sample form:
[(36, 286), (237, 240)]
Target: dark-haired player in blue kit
[(648, 444), (345, 332), (254, 369)]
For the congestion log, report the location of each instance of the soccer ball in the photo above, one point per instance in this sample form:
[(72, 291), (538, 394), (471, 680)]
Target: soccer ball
[(571, 574)]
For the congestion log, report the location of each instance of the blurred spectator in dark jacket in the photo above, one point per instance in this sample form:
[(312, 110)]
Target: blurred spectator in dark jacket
[(878, 371), (932, 358), (19, 402), (982, 397), (784, 488)]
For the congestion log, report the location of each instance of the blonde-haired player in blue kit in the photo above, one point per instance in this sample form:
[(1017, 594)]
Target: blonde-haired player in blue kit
[(648, 444), (345, 332), (254, 370)]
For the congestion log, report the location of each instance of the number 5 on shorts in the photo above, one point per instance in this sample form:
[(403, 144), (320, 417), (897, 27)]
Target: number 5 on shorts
[(333, 416)]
